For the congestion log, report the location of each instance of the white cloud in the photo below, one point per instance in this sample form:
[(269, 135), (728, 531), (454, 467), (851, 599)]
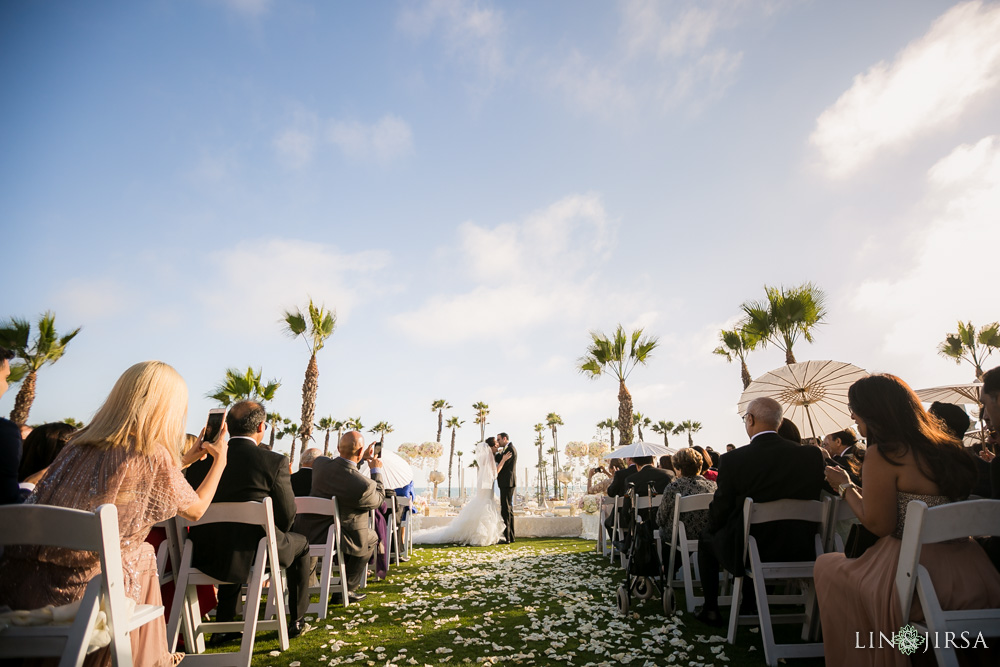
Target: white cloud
[(940, 282), (930, 84), (92, 299), (539, 269), (252, 8), (295, 147), (385, 140), (689, 31), (595, 88), (261, 278), (471, 31)]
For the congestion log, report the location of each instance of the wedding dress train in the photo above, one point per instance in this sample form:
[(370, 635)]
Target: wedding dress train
[(478, 523)]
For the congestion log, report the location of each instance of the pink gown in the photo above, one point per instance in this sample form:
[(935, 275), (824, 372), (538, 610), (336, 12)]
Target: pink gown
[(146, 490)]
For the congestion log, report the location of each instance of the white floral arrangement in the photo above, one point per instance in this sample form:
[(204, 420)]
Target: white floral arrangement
[(430, 450), (577, 449), (408, 450), (597, 449), (589, 504)]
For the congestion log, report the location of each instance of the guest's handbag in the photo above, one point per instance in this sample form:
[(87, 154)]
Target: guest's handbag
[(858, 541)]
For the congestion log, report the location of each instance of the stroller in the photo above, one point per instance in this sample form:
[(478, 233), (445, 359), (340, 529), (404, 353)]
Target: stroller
[(644, 576)]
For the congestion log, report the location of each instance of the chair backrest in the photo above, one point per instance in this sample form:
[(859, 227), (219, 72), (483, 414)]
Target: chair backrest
[(838, 511), (939, 524), (782, 510), (97, 531), (694, 503), (251, 513), (322, 507)]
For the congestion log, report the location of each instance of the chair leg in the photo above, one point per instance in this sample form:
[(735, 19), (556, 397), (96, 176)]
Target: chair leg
[(324, 585), (734, 609)]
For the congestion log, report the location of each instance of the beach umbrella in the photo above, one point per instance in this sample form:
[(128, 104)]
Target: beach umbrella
[(960, 394), (637, 449), (396, 472), (812, 394)]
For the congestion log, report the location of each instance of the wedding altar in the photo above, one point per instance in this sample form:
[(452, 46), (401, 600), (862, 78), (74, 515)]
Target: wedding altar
[(524, 526)]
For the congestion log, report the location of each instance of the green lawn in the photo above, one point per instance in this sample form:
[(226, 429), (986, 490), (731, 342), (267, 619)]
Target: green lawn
[(541, 601)]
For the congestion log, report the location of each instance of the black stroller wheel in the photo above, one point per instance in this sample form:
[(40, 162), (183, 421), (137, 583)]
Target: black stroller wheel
[(669, 602), (623, 600)]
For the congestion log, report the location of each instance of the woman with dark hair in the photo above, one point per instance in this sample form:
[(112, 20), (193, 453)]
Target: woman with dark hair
[(789, 431), (706, 464), (909, 457), (41, 447)]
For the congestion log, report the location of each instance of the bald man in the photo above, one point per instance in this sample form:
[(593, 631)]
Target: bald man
[(356, 495), (769, 468)]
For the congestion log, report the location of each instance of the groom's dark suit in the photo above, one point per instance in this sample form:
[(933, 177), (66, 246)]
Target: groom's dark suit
[(506, 482), (226, 551)]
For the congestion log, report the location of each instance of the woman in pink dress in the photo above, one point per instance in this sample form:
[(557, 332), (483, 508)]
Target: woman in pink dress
[(129, 456), (909, 457)]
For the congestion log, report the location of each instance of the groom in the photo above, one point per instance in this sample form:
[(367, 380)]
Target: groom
[(506, 481)]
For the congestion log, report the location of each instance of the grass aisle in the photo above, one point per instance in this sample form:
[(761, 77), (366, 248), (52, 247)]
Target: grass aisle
[(540, 601)]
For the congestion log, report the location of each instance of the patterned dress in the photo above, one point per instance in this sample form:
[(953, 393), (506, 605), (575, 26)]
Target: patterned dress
[(146, 490), (694, 522)]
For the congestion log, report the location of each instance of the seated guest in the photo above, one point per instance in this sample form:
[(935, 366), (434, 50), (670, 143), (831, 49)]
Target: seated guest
[(356, 496), (10, 442), (715, 460), (956, 421), (769, 468), (405, 492), (606, 475), (689, 483), (843, 450), (227, 551), (730, 447), (706, 464), (127, 456), (41, 448), (909, 457), (789, 431), (302, 480), (666, 463), (648, 476)]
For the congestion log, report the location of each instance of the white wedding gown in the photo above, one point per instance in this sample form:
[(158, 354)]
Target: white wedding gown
[(478, 524)]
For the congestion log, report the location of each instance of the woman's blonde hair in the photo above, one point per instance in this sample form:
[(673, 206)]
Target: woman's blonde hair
[(146, 409)]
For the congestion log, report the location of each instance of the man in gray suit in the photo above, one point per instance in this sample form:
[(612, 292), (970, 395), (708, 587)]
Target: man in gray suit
[(356, 495)]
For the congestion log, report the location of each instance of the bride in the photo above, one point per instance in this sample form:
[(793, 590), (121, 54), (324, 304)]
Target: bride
[(478, 524)]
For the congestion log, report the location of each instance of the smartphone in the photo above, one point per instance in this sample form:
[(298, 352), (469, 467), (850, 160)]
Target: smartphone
[(214, 425), (377, 450)]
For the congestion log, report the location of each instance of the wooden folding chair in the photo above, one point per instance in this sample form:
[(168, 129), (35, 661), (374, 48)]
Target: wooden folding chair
[(185, 604), (329, 553), (940, 524), (42, 525), (688, 547), (761, 573)]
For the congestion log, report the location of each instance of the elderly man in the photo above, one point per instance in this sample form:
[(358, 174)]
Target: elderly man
[(769, 468), (356, 496), (302, 480)]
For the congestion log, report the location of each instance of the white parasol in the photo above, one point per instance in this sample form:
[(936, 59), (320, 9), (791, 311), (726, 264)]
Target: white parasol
[(396, 472), (637, 449), (813, 394), (960, 394)]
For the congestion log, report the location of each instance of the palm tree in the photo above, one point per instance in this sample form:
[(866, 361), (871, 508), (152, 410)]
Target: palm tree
[(618, 355), (737, 343), (354, 423), (292, 429), (968, 345), (236, 387), (785, 315), (381, 429), (543, 482), (552, 420), (327, 424), (454, 423), (440, 405), (641, 420), (274, 419), (664, 428), (690, 427), (482, 409), (47, 348), (74, 423), (601, 425), (315, 327)]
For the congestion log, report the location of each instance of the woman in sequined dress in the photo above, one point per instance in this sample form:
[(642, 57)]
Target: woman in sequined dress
[(909, 457), (129, 456)]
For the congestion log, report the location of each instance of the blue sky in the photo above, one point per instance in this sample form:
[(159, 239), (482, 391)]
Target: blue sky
[(474, 186)]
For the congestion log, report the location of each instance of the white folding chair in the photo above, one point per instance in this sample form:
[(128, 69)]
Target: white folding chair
[(940, 524), (618, 532), (390, 529), (760, 573), (185, 604), (840, 514), (404, 534), (329, 553), (97, 531), (688, 547)]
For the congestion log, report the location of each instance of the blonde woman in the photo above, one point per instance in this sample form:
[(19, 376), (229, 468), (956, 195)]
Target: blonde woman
[(128, 455)]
